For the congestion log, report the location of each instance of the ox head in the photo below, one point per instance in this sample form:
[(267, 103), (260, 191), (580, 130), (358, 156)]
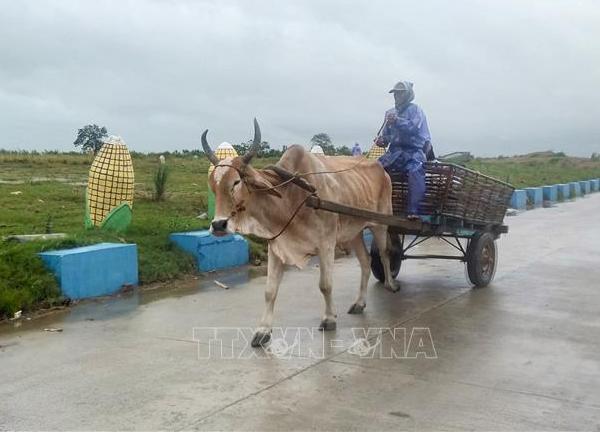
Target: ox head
[(235, 183)]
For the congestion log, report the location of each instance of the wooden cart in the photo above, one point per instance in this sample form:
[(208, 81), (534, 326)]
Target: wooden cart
[(462, 207)]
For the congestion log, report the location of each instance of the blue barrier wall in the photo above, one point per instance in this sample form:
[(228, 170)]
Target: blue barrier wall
[(535, 196), (519, 199), (595, 185), (211, 252), (564, 191), (550, 193), (585, 187), (92, 271), (575, 189)]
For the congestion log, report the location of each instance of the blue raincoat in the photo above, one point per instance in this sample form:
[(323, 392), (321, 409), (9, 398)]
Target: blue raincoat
[(406, 136)]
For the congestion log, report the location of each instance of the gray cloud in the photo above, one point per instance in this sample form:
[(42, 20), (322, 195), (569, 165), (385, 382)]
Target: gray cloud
[(499, 77)]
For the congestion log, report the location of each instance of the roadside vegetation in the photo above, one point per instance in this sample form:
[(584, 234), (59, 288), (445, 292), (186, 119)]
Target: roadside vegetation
[(537, 169), (42, 192)]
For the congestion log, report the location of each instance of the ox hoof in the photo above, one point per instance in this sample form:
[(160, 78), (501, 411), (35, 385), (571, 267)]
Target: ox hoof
[(394, 287), (327, 325), (356, 309), (260, 339)]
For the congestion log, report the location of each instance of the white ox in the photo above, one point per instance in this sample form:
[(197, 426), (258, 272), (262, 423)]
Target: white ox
[(249, 201)]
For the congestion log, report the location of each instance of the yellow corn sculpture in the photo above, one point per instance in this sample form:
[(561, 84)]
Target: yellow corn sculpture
[(225, 150), (375, 152), (109, 199)]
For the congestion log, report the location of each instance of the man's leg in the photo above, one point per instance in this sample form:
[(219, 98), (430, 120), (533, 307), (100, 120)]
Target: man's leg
[(416, 189)]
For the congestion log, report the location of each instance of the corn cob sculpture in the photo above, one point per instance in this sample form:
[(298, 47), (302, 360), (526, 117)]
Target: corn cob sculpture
[(375, 152), (109, 197)]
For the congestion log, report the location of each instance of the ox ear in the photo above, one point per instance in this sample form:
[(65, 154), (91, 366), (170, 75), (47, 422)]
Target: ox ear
[(257, 182)]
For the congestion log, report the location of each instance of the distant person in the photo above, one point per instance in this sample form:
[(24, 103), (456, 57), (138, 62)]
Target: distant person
[(406, 133), (356, 150)]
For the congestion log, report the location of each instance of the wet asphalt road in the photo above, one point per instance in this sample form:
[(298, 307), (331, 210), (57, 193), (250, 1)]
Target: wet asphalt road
[(522, 354)]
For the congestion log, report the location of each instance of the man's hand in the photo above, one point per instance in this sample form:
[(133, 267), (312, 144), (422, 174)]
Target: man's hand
[(391, 117), (380, 141)]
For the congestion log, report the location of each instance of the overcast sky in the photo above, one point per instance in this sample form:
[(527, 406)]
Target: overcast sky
[(493, 77)]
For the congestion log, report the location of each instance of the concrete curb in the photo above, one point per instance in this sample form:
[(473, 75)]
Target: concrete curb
[(533, 197)]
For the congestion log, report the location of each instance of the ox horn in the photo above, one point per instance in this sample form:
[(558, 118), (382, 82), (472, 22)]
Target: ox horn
[(208, 151), (255, 144)]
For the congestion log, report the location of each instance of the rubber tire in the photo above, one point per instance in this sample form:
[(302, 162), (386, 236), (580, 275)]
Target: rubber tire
[(478, 275), (377, 266)]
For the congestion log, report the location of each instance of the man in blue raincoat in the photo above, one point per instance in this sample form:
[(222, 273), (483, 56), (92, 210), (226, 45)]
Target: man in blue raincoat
[(405, 133)]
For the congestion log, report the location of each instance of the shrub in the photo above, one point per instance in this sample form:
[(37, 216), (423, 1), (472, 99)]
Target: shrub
[(160, 182)]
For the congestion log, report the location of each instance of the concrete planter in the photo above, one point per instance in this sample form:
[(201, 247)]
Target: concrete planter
[(93, 271)]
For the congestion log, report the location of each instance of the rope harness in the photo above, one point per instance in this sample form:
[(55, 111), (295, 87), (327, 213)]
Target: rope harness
[(295, 178)]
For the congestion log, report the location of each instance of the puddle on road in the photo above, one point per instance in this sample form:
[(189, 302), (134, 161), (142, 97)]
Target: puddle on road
[(106, 308)]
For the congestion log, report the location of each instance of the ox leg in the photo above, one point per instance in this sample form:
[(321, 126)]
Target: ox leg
[(326, 257), (381, 237), (358, 244), (274, 275)]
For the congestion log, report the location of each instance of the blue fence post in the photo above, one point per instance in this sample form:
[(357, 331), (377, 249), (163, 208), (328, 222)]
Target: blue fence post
[(519, 199), (575, 189), (550, 193), (585, 187), (564, 191), (535, 196)]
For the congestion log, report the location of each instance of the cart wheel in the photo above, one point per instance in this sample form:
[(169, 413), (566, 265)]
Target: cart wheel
[(482, 259), (377, 266)]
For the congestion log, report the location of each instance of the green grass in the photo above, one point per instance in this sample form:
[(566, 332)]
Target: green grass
[(24, 282), (26, 285)]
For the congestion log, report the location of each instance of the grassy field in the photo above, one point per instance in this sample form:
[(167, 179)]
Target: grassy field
[(537, 169), (48, 189)]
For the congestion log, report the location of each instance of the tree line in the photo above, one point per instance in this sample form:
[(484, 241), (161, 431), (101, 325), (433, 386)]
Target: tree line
[(90, 139)]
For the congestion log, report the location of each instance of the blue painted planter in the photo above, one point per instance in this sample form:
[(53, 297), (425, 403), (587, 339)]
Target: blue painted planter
[(585, 186), (575, 189), (595, 185), (550, 193), (535, 196), (564, 191), (211, 252), (519, 199), (93, 271)]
